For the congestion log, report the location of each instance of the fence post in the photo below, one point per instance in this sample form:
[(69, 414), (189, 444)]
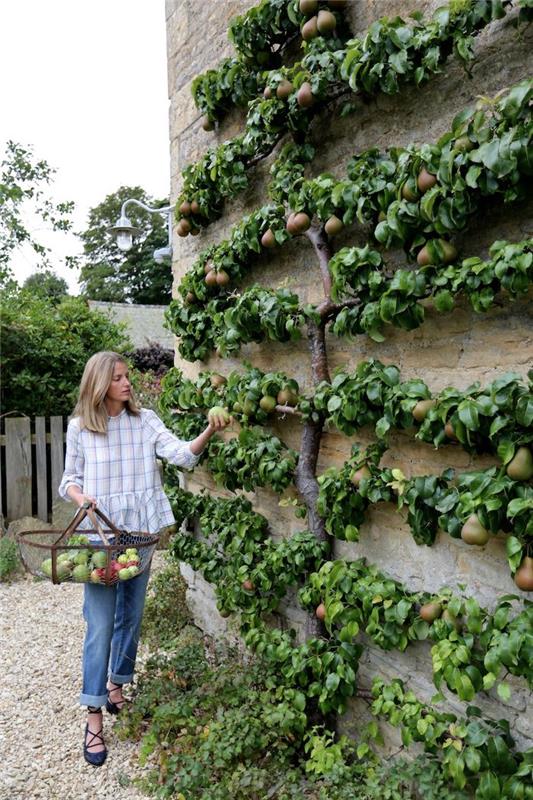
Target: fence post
[(57, 457), (18, 467), (41, 468)]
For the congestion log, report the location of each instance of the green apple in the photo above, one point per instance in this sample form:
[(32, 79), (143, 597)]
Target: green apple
[(64, 570), (81, 573), (123, 559), (46, 567), (124, 574), (100, 559)]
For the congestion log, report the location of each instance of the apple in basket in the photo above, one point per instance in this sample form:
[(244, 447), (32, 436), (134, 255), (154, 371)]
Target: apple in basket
[(82, 557), (64, 569), (125, 574), (98, 575), (99, 559), (81, 573), (46, 567)]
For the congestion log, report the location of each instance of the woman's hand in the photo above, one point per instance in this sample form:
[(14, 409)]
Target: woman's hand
[(78, 497), (218, 418), (86, 498)]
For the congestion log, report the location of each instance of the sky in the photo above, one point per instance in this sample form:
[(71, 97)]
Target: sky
[(85, 84)]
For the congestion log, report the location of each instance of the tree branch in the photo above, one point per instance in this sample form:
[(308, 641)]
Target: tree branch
[(318, 238)]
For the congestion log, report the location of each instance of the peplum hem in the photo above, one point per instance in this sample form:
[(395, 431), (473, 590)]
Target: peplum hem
[(147, 511)]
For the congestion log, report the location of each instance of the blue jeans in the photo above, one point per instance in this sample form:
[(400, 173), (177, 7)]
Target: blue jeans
[(113, 615)]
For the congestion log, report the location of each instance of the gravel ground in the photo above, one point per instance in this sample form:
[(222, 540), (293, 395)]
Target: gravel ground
[(41, 723)]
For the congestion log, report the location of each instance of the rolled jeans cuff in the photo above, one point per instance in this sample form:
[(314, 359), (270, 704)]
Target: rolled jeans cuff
[(93, 700), (114, 677)]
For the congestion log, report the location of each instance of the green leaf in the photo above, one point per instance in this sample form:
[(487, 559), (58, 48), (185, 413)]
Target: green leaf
[(504, 691)]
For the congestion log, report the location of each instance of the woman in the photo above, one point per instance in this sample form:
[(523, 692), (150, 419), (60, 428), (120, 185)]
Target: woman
[(112, 446)]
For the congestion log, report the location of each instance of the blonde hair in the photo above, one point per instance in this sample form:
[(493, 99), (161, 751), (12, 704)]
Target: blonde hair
[(95, 383)]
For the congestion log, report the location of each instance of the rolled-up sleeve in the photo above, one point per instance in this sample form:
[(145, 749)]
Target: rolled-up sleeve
[(74, 461), (167, 445)]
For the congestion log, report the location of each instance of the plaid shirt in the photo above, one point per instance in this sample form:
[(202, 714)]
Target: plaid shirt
[(119, 469)]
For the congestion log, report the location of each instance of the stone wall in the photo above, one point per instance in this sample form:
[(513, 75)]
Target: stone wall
[(144, 323), (452, 349)]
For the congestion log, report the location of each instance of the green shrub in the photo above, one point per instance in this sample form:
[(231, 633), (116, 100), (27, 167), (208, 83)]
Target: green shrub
[(45, 345), (166, 611), (9, 558)]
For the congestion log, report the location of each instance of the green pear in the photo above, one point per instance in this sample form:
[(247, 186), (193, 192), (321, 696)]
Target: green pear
[(473, 531), (520, 468)]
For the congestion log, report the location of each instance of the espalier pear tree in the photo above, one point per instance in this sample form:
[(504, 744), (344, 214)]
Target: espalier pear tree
[(415, 199)]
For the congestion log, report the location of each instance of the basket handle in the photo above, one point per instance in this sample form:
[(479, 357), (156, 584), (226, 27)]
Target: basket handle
[(84, 511)]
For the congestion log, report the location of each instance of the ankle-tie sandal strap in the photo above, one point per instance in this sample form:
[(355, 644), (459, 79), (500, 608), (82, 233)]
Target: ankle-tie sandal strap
[(94, 736)]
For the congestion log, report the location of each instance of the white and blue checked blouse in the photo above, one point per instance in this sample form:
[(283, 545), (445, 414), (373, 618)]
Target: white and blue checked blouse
[(119, 469)]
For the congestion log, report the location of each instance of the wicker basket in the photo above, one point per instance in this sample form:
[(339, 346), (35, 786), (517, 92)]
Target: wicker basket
[(92, 556)]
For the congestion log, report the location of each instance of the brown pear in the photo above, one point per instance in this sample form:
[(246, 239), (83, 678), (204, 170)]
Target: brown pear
[(190, 298), (286, 397), (524, 575), (423, 258), (450, 252), (520, 468), (268, 239), (309, 29), (308, 7), (185, 208), (333, 226), (326, 22), (195, 208), (222, 277), (449, 431), (267, 93), (463, 144), (284, 89), (217, 380), (430, 612), (291, 225), (473, 531), (421, 409), (302, 221), (426, 180), (359, 474), (184, 227), (211, 278), (320, 611), (248, 585), (408, 191), (268, 403), (305, 98)]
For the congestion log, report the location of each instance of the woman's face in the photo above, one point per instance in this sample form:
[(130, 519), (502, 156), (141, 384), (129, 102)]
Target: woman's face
[(120, 387)]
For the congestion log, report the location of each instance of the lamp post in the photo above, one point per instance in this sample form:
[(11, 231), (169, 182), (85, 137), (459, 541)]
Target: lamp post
[(125, 232)]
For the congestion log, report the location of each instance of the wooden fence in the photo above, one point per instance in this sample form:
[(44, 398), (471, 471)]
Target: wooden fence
[(32, 455)]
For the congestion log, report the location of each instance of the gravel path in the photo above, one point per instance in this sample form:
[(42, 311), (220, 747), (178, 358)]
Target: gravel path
[(41, 723)]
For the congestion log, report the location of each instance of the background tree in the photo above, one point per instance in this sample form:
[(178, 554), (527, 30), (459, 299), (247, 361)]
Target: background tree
[(23, 191), (45, 344), (109, 274), (46, 284)]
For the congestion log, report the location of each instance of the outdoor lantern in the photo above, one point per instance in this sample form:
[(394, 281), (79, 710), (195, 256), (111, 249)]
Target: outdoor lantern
[(125, 232)]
